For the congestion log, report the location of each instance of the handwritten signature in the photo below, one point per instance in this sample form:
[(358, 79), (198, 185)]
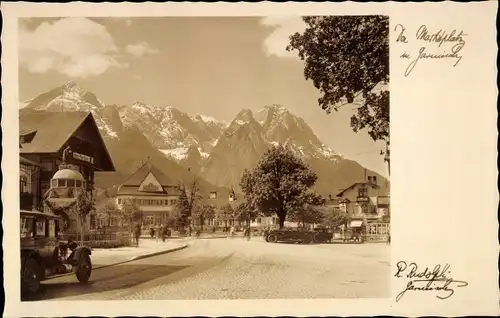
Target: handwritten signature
[(438, 279), (434, 48)]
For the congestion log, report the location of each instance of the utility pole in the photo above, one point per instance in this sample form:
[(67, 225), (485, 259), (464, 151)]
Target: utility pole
[(387, 156)]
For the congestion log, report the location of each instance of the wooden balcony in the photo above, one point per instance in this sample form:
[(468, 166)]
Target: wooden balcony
[(26, 201)]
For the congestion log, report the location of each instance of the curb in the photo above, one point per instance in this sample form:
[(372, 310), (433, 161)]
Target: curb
[(189, 237), (129, 260), (158, 253)]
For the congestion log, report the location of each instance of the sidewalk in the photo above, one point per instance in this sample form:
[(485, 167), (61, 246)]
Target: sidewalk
[(177, 237), (147, 248)]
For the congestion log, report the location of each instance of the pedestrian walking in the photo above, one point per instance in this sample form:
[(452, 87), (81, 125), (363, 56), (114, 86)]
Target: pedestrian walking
[(137, 234), (152, 232), (157, 232), (164, 232), (249, 233)]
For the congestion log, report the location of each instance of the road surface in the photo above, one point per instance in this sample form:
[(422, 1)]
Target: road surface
[(238, 269)]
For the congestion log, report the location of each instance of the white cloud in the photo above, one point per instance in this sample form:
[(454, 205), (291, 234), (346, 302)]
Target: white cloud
[(141, 49), (77, 47), (283, 27)]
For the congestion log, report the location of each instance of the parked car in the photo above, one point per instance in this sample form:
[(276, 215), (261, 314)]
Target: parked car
[(299, 236), (43, 255), (350, 235)]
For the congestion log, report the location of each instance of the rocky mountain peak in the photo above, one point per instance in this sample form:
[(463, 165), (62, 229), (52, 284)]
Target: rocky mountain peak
[(244, 116)]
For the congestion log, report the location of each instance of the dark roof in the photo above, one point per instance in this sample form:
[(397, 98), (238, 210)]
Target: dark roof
[(137, 177), (130, 186), (373, 185), (27, 162), (133, 190), (53, 129)]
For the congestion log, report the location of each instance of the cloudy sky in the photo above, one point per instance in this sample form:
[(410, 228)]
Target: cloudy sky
[(212, 66)]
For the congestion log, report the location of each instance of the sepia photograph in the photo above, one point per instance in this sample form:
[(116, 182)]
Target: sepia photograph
[(187, 158), (219, 160)]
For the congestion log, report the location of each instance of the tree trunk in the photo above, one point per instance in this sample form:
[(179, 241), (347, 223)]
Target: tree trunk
[(281, 220)]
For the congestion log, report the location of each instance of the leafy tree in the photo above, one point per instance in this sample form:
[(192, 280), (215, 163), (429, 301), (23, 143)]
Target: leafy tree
[(245, 212), (225, 214), (108, 211), (307, 214), (131, 213), (204, 212), (82, 206), (279, 184), (186, 203), (334, 217), (347, 58)]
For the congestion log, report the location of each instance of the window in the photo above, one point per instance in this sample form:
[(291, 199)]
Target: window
[(362, 192), (61, 183), (70, 183), (78, 183), (40, 228), (27, 227), (364, 208), (48, 166)]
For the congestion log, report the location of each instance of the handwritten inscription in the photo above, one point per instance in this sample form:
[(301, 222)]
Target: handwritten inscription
[(435, 45), (437, 280)]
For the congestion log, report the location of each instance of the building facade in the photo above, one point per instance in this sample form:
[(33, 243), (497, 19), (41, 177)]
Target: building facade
[(152, 192), (46, 137), (366, 205), (29, 184)]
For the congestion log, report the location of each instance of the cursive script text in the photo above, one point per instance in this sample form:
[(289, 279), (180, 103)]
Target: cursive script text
[(438, 279), (435, 45)]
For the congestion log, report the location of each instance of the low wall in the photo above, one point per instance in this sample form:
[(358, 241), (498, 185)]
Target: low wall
[(101, 239)]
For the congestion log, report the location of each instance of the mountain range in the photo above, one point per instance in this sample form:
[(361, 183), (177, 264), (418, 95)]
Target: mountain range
[(215, 151)]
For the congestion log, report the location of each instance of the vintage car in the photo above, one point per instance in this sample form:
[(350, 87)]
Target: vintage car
[(43, 255), (298, 236), (351, 235)]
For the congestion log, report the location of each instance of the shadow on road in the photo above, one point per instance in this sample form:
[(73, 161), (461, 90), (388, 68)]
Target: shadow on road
[(105, 279)]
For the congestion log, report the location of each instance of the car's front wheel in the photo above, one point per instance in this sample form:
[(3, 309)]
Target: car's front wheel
[(84, 268), (272, 238), (30, 277)]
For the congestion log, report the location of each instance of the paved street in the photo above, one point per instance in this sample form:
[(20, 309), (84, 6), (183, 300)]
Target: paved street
[(236, 268)]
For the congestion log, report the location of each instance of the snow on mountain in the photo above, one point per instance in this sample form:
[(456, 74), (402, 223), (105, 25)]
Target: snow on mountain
[(71, 97), (175, 132), (176, 153), (217, 150), (249, 136)]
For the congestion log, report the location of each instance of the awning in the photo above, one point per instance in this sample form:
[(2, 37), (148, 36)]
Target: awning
[(356, 223)]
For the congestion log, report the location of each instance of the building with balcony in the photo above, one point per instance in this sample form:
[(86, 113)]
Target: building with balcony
[(152, 192), (29, 184), (366, 204), (46, 137)]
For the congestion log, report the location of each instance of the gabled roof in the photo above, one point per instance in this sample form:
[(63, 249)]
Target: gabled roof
[(373, 185), (53, 129), (137, 177), (131, 186)]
